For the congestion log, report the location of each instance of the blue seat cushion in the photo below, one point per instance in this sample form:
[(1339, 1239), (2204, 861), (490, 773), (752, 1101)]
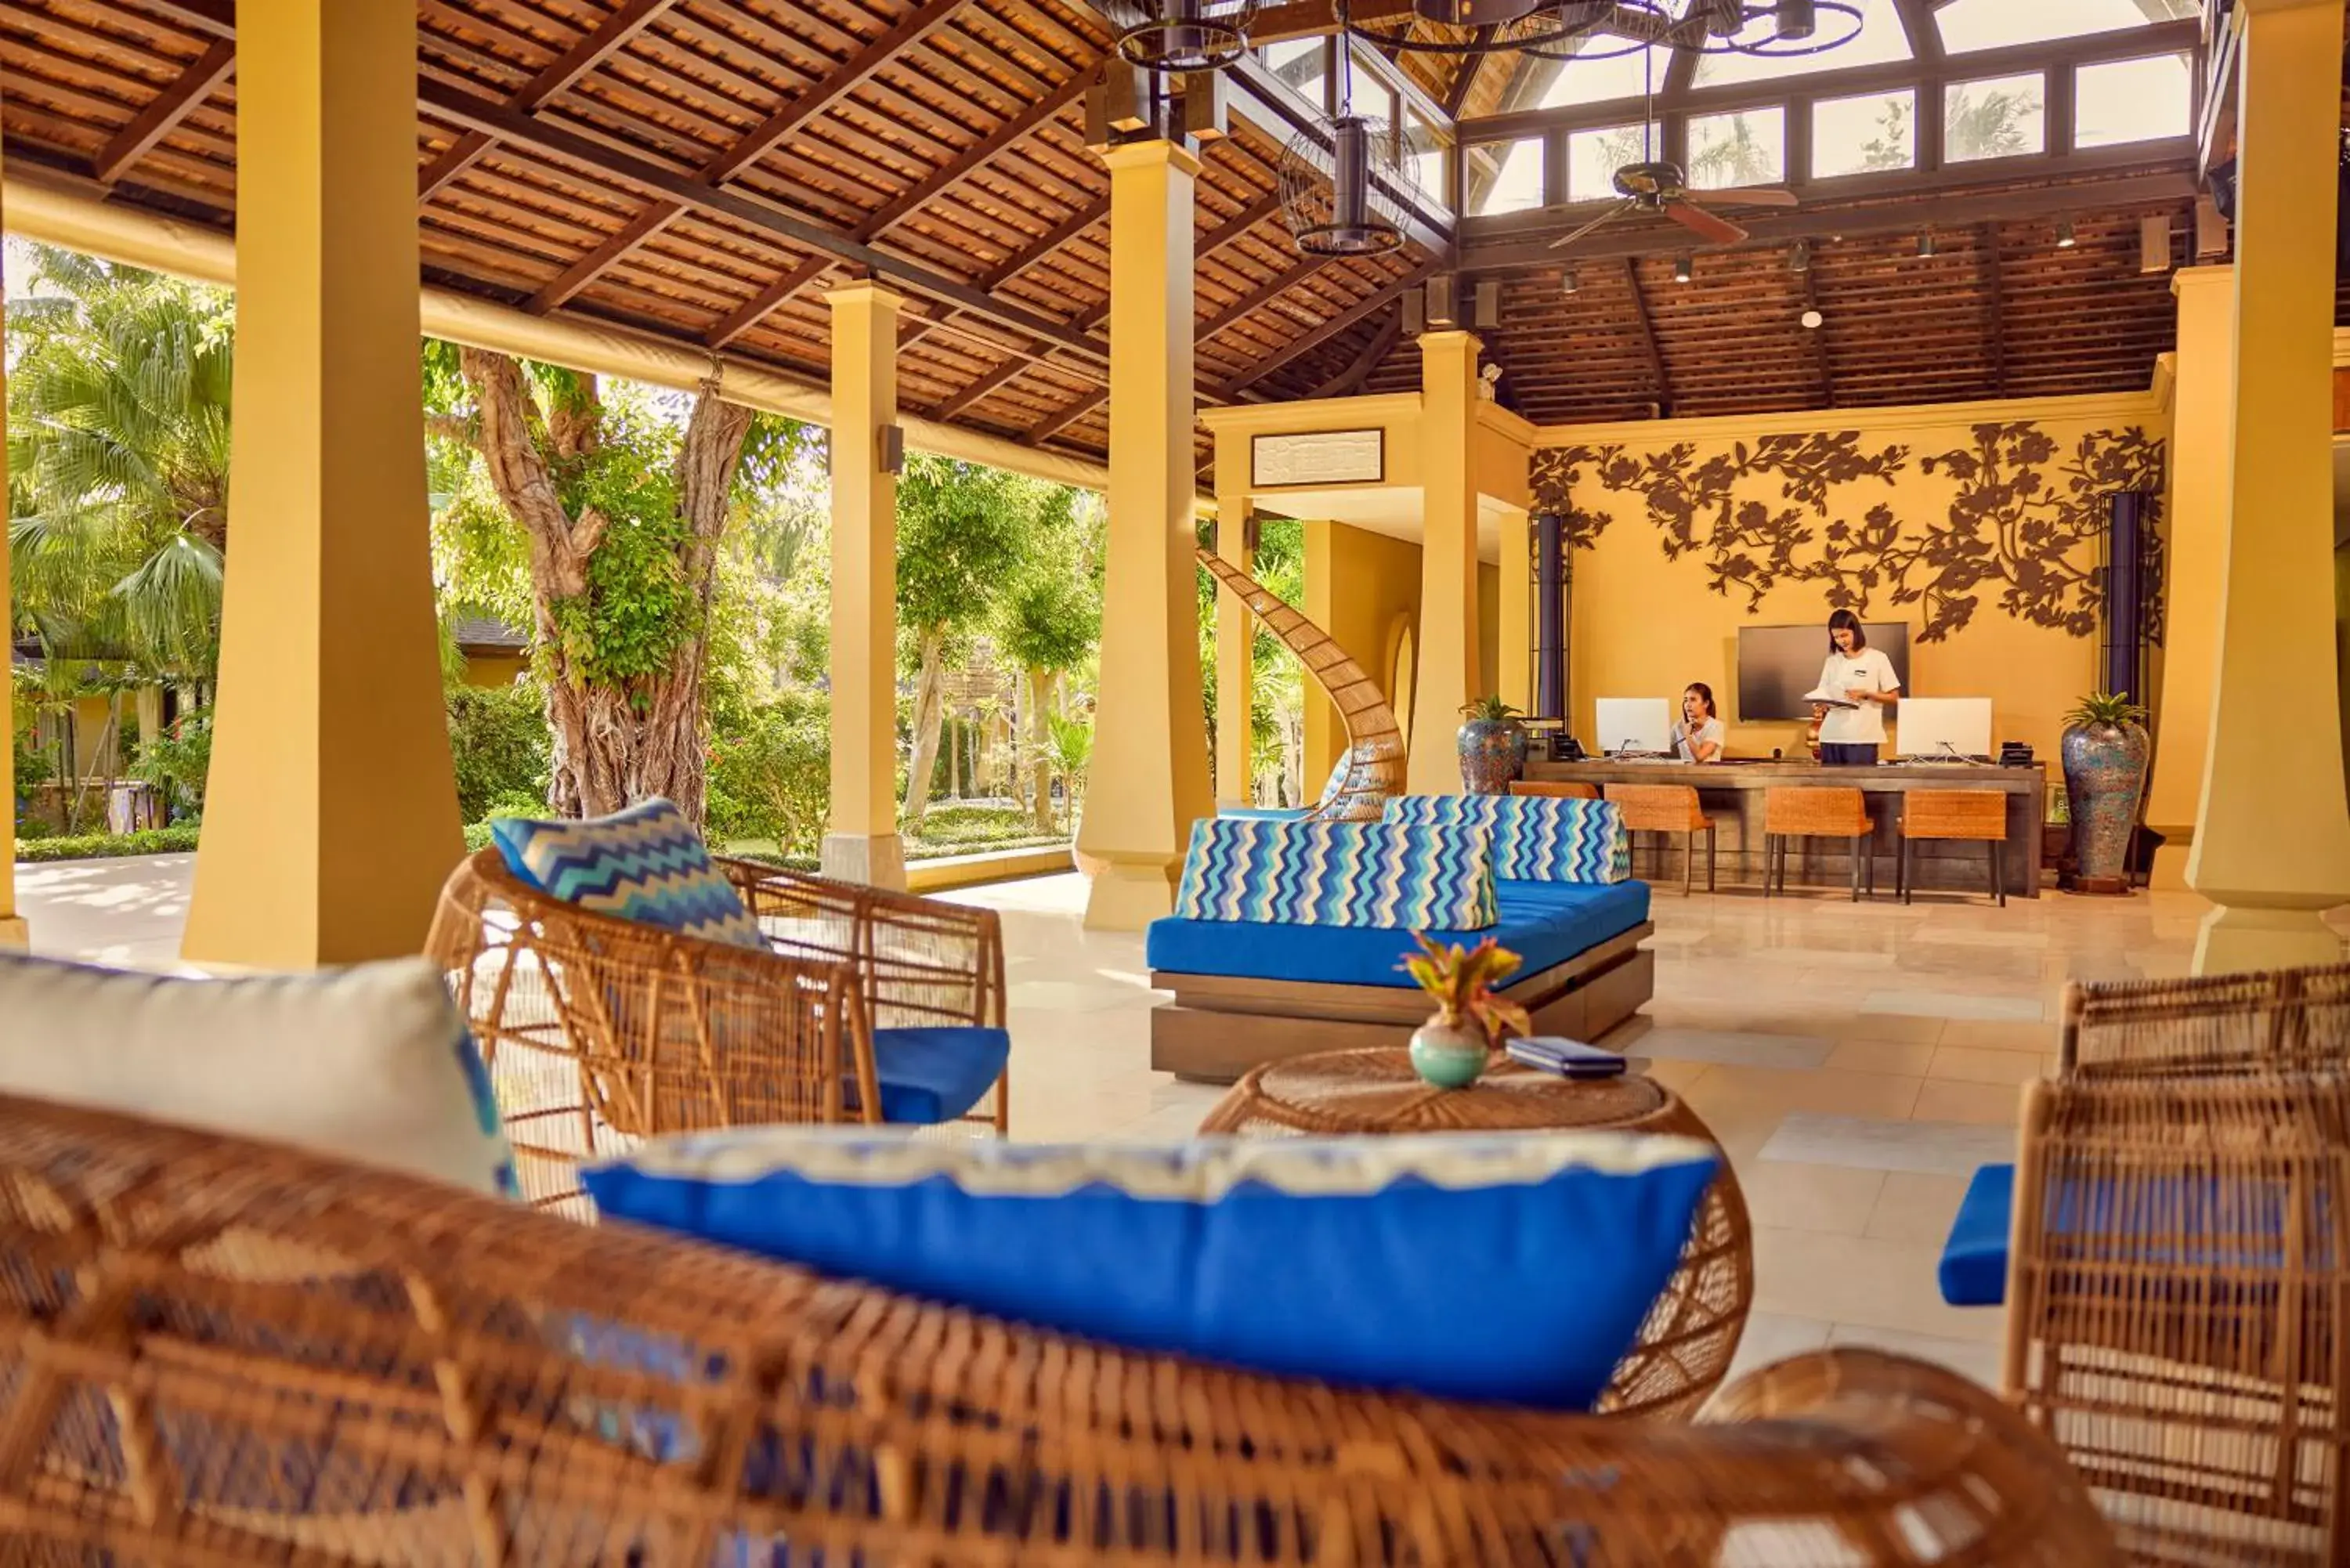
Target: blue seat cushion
[(1545, 923), (1509, 1268), (934, 1072), (1974, 1260)]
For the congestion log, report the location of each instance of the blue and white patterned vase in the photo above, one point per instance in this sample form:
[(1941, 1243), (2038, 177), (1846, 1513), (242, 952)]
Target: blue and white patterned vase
[(1448, 1056), (2104, 775), (1492, 755)]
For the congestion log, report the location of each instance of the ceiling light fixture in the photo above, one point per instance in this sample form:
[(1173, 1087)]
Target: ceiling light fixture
[(1171, 36), (1799, 256), (1812, 320), (1346, 183), (1926, 243), (2065, 240), (1682, 268), (1566, 283)]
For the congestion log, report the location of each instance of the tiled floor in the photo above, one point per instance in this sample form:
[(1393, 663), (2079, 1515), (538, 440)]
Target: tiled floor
[(1856, 1060)]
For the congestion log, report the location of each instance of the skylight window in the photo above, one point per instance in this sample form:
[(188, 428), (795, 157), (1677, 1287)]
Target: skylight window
[(1580, 81), (1747, 147), (2131, 100), (1303, 63), (1864, 134), (1968, 25), (1881, 40), (1999, 117), (1504, 176), (1594, 156)]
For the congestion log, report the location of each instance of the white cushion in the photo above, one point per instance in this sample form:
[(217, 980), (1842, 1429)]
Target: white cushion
[(370, 1063)]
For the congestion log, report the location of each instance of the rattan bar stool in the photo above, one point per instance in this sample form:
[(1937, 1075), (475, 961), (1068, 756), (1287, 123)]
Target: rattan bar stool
[(1793, 811), (1565, 791), (1976, 815), (1669, 808)]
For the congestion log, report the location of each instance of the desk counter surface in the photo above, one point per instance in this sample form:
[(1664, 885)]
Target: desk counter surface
[(1761, 775)]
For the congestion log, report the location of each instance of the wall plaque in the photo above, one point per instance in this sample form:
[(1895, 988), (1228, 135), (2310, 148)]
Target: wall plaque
[(1319, 457)]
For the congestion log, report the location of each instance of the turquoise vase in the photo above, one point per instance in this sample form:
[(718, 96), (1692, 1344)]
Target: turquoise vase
[(2104, 777), (1448, 1056)]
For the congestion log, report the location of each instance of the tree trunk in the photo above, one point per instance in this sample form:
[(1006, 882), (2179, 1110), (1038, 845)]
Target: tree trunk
[(930, 710), (1040, 747)]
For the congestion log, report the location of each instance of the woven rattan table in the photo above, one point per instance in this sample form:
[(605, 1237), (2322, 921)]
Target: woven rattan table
[(1686, 1345)]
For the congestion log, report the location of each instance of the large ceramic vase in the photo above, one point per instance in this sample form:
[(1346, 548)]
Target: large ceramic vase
[(2104, 775), (1448, 1054), (1492, 755)]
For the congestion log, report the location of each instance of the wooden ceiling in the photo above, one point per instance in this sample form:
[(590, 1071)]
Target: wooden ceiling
[(703, 170)]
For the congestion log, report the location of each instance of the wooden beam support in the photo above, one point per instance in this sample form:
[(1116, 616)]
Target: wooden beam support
[(213, 18), (1994, 287), (978, 155), (1821, 367), (766, 301), (657, 217), (1306, 343), (461, 155), (1465, 81), (980, 389), (1349, 382), (1053, 424), (1261, 294), (164, 111), (1648, 345), (592, 50)]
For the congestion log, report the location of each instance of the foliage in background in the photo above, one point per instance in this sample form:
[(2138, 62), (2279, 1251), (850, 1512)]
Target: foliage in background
[(177, 841), (177, 759), (499, 741), (1073, 752), (117, 465), (1048, 624), (771, 772)]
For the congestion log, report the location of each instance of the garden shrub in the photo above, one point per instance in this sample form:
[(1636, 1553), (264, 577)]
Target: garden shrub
[(176, 840), (498, 740), (771, 773)]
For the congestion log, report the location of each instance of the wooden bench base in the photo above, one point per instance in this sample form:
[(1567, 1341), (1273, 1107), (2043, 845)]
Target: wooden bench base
[(1219, 1026)]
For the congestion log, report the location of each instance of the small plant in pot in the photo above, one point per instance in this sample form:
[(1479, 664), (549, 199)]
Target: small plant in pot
[(1450, 1049), (1492, 747), (2105, 749)]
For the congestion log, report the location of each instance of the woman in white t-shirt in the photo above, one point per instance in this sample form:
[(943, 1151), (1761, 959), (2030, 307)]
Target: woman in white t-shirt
[(1698, 737), (1864, 676)]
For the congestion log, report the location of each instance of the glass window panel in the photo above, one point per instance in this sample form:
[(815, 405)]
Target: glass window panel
[(1303, 63), (2131, 100), (1862, 134), (1995, 24), (1999, 117), (1561, 83), (1373, 95), (1594, 156), (1747, 148), (1424, 151), (1881, 40), (1504, 176)]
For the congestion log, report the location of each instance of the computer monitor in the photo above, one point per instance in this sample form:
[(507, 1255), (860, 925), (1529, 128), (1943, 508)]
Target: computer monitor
[(1635, 725), (1942, 727)]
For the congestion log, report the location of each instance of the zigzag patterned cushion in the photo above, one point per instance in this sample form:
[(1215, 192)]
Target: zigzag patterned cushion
[(1536, 838), (1339, 874), (645, 864)]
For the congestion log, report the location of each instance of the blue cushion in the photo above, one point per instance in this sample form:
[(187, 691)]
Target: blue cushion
[(645, 864), (935, 1073), (1339, 874), (1974, 1260), (1536, 838), (1545, 923), (1513, 1268)]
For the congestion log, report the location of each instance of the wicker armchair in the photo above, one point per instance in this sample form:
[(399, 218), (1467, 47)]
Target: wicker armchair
[(216, 1353), (2281, 1019), (2176, 1305), (600, 1032)]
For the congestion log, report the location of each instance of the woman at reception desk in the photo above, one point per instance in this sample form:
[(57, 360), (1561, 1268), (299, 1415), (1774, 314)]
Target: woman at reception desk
[(1698, 737), (1863, 678)]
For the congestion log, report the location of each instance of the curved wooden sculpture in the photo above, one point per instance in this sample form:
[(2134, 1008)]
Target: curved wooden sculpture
[(1371, 773)]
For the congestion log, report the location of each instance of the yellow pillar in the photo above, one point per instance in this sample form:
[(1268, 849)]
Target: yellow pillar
[(2203, 391), (331, 812), (1449, 653), (12, 932), (1236, 660), (2273, 838), (861, 844), (1149, 778), (1326, 736), (1514, 674)]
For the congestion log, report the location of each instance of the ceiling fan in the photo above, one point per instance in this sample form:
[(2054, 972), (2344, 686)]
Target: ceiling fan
[(1662, 187)]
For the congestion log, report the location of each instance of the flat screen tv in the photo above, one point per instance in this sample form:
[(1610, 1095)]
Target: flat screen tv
[(1777, 664)]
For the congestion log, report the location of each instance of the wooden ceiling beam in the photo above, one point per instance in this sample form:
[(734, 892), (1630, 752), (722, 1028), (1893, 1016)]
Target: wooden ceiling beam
[(1053, 424), (1648, 345), (461, 155), (978, 155), (980, 389), (213, 18), (852, 73), (766, 301), (1994, 287), (1821, 366), (655, 217), (600, 44), (1306, 343), (1465, 81), (1349, 382), (164, 111), (1261, 294)]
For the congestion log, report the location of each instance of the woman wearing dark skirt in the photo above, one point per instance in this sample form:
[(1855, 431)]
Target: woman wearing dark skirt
[(1849, 737)]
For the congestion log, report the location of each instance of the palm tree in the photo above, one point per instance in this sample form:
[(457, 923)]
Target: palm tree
[(117, 461)]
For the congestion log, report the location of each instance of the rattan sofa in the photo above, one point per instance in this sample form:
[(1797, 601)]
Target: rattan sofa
[(600, 1032), (215, 1353)]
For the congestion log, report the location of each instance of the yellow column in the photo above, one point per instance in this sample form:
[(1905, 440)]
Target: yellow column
[(1149, 779), (2202, 395), (1515, 613), (1326, 736), (861, 844), (12, 932), (1447, 559), (1236, 660), (331, 812), (2273, 838)]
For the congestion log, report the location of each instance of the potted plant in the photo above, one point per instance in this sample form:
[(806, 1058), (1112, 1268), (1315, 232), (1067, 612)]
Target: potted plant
[(1492, 747), (1450, 1049), (2105, 748)]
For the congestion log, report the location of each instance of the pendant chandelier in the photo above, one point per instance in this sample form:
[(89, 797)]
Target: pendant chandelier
[(1179, 35), (1587, 30), (1340, 181)]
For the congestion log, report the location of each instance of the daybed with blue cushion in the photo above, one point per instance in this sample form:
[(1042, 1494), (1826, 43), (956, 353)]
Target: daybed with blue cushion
[(1289, 937)]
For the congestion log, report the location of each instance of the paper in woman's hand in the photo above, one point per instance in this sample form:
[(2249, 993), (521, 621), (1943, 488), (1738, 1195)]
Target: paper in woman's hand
[(1831, 698)]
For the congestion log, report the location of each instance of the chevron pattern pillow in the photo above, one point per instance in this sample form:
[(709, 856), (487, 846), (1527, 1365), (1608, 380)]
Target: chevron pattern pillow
[(645, 864), (1339, 874), (1536, 838)]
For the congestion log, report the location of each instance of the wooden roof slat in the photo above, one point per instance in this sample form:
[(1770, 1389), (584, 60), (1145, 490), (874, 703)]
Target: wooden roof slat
[(1053, 424), (599, 45), (164, 113)]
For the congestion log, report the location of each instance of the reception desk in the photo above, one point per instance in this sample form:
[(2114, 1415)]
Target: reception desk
[(1732, 795)]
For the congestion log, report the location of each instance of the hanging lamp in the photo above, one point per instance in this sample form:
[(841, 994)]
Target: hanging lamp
[(1346, 181), (1183, 35)]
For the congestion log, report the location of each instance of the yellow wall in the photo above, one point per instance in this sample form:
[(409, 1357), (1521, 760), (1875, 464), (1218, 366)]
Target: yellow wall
[(494, 671), (1645, 624), (1359, 585), (1489, 630)]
